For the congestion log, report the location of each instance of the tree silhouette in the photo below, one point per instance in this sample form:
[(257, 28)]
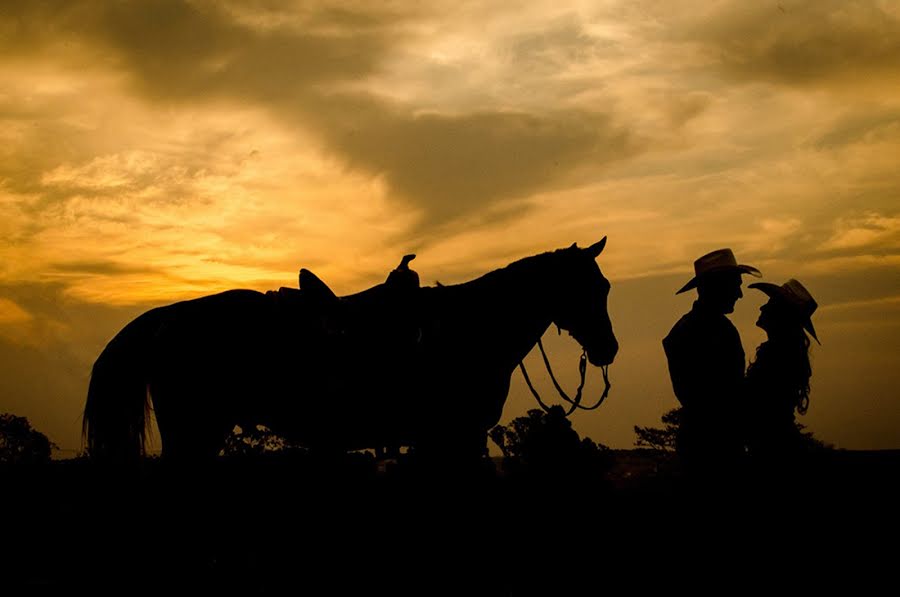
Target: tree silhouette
[(656, 438), (812, 444), (544, 444), (21, 444), (255, 441), (663, 438)]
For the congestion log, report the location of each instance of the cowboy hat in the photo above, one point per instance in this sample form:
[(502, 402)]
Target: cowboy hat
[(796, 296), (721, 260)]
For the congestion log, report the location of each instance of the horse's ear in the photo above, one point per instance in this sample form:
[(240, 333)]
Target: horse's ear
[(574, 246), (597, 248)]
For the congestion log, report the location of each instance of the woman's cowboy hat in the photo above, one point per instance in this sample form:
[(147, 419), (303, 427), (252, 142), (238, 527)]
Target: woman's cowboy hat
[(721, 260), (797, 297)]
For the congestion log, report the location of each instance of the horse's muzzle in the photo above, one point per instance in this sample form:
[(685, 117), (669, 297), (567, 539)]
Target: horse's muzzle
[(603, 355)]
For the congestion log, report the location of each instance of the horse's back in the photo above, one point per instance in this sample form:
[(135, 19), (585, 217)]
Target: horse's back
[(235, 327), (228, 303)]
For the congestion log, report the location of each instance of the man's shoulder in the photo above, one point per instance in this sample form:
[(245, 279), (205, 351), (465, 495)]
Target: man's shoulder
[(689, 323), (683, 329), (696, 325)]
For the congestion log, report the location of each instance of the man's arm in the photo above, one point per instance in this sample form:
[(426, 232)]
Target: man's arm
[(706, 364), (682, 369)]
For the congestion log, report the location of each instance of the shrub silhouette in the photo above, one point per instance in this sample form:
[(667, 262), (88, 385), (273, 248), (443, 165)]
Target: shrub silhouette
[(255, 441), (21, 444), (543, 444), (663, 438), (656, 438)]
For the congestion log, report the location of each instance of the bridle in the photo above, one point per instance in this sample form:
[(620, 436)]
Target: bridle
[(575, 403)]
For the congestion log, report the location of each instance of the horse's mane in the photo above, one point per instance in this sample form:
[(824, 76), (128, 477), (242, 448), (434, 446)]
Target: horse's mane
[(516, 269), (496, 286)]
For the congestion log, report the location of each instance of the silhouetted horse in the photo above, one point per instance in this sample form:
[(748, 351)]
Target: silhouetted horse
[(425, 367)]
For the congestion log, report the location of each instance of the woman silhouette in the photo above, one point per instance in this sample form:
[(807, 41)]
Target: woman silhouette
[(778, 379)]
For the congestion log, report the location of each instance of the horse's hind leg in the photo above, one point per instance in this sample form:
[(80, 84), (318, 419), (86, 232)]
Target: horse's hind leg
[(459, 452), (188, 441), (188, 431)]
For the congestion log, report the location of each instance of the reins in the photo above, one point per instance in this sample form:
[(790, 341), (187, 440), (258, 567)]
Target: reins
[(575, 403)]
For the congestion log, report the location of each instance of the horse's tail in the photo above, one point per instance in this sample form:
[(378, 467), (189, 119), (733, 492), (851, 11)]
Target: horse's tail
[(117, 408)]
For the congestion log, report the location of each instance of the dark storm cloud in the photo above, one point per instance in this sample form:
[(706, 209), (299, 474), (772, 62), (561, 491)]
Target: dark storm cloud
[(180, 49), (443, 165), (801, 43), (454, 164), (865, 126)]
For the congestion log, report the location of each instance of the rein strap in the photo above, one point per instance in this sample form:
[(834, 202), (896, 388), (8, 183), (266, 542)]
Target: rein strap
[(582, 369)]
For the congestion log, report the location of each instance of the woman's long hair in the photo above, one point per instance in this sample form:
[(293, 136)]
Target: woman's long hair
[(791, 351)]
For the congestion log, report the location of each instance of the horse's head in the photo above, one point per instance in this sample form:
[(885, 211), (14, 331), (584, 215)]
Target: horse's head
[(580, 303)]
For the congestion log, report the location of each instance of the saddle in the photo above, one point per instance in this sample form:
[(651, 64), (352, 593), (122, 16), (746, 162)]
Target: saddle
[(388, 310), (315, 288)]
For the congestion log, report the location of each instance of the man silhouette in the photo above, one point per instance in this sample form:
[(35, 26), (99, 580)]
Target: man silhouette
[(706, 364)]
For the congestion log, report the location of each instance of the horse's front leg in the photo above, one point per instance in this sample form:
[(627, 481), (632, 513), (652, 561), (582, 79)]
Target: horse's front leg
[(456, 447)]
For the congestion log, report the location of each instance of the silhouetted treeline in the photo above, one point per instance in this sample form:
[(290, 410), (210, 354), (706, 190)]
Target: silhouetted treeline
[(558, 514), (299, 522), (20, 444), (664, 438)]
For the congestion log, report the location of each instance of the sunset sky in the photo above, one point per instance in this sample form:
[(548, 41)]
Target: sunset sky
[(157, 151)]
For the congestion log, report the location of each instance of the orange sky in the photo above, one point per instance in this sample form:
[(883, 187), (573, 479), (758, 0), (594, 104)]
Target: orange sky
[(155, 151)]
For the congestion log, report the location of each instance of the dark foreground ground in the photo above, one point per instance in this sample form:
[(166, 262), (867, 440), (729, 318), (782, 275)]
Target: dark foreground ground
[(348, 527)]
